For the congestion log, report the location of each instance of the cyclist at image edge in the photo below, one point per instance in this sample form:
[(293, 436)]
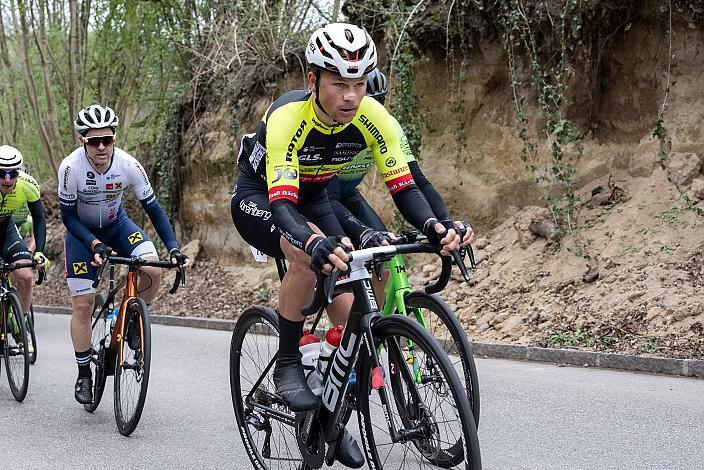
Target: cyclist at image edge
[(352, 210), (302, 141), (92, 180), (24, 221), (19, 190)]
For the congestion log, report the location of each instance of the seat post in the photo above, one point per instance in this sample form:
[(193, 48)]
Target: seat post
[(281, 267)]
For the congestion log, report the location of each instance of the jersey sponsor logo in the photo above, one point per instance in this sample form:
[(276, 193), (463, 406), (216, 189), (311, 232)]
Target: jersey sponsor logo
[(111, 177), (257, 154), (80, 268), (141, 172), (118, 185), (108, 186), (316, 123), (395, 171), (90, 183), (308, 158), (311, 148), (374, 132), (90, 175), (288, 173), (319, 178), (294, 140), (390, 162), (283, 192), (67, 172), (397, 184), (146, 192), (135, 237), (348, 145), (110, 197), (251, 208)]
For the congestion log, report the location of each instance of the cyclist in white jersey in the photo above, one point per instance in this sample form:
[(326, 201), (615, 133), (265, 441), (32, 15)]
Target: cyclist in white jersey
[(91, 182)]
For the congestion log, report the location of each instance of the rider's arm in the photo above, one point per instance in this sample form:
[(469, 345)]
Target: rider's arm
[(36, 208), (352, 226), (431, 194), (68, 203), (282, 177), (145, 194), (384, 139)]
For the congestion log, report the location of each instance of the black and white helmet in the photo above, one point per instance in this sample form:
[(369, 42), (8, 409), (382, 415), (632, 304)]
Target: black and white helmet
[(342, 49), (10, 158), (377, 86), (95, 116)]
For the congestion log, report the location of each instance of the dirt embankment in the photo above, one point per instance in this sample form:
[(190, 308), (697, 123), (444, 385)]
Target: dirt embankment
[(635, 231)]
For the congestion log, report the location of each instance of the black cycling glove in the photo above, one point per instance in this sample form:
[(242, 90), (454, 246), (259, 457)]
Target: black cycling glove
[(433, 236), (102, 250), (372, 238), (178, 256), (319, 250), (462, 228)]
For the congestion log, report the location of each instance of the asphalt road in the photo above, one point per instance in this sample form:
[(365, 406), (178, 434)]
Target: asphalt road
[(534, 416)]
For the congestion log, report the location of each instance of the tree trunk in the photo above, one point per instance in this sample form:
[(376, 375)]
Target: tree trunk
[(52, 124), (73, 53), (29, 85)]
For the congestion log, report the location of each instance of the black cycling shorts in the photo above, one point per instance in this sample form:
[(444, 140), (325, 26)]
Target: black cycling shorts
[(253, 220), (14, 247), (360, 208)]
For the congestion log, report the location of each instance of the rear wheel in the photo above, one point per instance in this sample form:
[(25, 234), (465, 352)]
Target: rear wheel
[(266, 425), (132, 364), (97, 352), (15, 348), (429, 411)]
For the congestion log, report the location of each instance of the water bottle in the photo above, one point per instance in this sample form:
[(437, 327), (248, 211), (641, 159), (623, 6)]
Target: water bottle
[(309, 345), (328, 348), (110, 320)]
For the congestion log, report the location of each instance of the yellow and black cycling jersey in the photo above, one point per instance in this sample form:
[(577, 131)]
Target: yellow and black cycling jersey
[(26, 190), (294, 155)]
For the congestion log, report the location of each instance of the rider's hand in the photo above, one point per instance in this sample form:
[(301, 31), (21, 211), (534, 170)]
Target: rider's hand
[(41, 259), (100, 253), (439, 235), (326, 252), (465, 231), (373, 238), (179, 258)]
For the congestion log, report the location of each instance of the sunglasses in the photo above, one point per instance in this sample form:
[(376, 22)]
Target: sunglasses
[(95, 141), (9, 173)]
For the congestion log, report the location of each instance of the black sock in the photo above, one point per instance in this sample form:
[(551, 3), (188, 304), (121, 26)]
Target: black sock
[(83, 361), (290, 333)]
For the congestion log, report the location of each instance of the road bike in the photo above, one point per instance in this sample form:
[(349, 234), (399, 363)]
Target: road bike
[(15, 347), (123, 348), (411, 406)]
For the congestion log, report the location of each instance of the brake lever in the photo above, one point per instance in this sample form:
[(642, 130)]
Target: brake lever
[(460, 264)]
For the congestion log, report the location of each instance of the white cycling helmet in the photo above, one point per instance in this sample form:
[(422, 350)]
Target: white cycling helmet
[(377, 86), (10, 158), (95, 117), (342, 49)]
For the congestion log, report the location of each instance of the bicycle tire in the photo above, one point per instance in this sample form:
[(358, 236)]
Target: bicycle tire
[(132, 373), (29, 320), (453, 339), (97, 353), (247, 366), (15, 350), (462, 447)]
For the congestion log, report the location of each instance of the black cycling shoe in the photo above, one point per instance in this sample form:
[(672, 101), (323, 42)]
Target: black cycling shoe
[(291, 383), (348, 453), (84, 390)]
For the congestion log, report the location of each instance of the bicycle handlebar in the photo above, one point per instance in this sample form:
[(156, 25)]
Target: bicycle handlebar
[(9, 267), (180, 279)]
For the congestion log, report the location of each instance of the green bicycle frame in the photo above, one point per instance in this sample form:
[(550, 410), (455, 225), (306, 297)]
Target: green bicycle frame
[(396, 290)]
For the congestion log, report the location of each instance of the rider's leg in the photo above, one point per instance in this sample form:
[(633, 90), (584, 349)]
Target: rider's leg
[(23, 279), (80, 276), (15, 251)]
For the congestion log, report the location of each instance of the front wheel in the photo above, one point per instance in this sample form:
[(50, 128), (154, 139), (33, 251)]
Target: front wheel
[(15, 347), (420, 414), (31, 336), (439, 319), (97, 352), (132, 363)]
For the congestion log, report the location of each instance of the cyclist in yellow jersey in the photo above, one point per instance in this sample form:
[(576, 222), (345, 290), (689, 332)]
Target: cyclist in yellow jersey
[(17, 190), (279, 203)]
